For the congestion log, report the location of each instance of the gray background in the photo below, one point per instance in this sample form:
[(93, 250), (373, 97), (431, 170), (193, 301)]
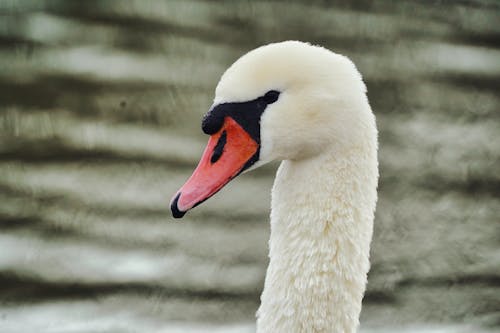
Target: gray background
[(100, 110)]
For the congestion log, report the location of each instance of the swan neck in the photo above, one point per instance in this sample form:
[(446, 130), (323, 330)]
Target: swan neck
[(321, 229)]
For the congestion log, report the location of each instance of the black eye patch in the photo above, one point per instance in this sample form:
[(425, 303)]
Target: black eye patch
[(271, 96), (246, 114)]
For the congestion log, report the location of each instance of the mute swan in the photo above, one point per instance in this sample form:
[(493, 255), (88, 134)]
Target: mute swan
[(306, 106)]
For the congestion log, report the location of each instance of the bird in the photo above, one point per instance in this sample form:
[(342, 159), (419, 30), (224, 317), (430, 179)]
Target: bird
[(307, 107)]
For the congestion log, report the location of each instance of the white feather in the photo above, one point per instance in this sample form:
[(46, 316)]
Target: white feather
[(324, 195)]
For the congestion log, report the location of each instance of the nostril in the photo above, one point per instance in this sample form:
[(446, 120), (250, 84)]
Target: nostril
[(176, 213), (219, 148)]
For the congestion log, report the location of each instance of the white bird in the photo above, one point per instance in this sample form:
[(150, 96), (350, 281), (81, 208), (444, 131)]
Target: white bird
[(306, 106)]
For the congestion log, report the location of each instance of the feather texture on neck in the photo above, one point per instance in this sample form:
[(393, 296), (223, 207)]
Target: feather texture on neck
[(321, 229)]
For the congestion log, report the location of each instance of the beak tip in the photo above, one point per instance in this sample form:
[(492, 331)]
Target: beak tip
[(176, 213)]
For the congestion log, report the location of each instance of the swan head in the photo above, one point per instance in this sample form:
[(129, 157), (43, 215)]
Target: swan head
[(282, 101)]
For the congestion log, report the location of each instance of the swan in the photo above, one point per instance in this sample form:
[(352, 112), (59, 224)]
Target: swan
[(307, 107)]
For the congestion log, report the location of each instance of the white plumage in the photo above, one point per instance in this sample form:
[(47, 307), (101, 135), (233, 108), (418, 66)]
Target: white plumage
[(324, 195)]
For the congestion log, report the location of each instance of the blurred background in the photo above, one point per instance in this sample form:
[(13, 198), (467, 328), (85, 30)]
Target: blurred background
[(100, 111)]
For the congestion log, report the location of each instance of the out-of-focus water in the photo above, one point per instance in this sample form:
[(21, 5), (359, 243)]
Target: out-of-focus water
[(100, 110)]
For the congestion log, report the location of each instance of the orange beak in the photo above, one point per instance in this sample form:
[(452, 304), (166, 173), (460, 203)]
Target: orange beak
[(227, 153)]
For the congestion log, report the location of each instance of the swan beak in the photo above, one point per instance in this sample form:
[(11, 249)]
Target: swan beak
[(229, 152)]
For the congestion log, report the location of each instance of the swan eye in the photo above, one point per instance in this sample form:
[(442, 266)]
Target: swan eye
[(271, 96)]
